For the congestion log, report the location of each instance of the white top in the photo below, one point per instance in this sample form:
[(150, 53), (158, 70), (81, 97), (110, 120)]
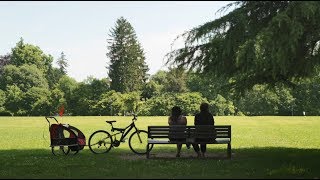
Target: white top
[(182, 120)]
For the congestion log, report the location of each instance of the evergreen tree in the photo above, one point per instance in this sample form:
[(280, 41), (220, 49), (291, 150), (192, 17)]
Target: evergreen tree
[(127, 69), (62, 63)]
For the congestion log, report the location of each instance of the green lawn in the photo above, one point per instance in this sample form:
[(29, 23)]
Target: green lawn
[(262, 147)]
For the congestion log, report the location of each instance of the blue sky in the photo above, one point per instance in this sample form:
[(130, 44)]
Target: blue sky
[(80, 28)]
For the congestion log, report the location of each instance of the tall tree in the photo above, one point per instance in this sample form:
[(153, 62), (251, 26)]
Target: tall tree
[(62, 63), (257, 42), (127, 69), (29, 54)]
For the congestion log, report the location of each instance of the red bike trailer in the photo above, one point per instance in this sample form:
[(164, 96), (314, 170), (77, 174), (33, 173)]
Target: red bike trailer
[(65, 138)]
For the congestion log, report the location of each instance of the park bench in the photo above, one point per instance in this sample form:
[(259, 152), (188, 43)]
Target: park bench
[(208, 134)]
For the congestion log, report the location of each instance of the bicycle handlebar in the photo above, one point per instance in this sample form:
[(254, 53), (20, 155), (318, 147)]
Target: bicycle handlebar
[(134, 117), (51, 117)]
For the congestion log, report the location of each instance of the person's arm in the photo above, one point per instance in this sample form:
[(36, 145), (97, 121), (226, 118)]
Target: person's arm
[(212, 119), (184, 120), (169, 121), (196, 119)]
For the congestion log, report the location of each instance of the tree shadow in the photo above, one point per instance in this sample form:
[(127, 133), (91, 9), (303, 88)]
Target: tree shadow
[(255, 162)]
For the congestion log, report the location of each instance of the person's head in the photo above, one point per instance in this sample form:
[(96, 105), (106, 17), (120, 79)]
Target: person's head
[(176, 111), (204, 107)]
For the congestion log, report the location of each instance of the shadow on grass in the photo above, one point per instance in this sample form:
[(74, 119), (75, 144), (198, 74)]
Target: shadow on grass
[(263, 162)]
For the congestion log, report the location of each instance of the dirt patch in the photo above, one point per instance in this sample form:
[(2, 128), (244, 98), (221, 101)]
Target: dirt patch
[(170, 155)]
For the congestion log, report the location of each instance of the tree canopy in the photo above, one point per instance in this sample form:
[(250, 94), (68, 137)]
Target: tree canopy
[(258, 42), (29, 54)]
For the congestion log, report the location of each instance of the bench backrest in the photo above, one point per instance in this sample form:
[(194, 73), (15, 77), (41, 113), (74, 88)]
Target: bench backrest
[(182, 131)]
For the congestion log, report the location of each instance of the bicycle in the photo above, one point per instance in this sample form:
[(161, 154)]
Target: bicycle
[(101, 141)]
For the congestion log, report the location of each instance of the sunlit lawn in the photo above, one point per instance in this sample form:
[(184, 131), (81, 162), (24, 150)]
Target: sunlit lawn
[(262, 147)]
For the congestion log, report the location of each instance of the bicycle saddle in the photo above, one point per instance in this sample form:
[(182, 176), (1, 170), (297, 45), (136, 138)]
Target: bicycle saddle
[(110, 122)]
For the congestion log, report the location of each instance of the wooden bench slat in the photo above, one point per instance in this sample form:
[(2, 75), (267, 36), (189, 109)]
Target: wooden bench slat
[(181, 131)]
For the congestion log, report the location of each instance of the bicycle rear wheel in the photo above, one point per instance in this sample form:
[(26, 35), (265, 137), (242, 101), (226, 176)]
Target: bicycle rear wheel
[(100, 142), (138, 142)]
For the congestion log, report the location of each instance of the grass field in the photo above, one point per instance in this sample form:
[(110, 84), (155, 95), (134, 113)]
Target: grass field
[(262, 147)]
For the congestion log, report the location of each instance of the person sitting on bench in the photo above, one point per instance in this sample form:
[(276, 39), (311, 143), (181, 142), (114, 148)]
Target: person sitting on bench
[(177, 118), (202, 118)]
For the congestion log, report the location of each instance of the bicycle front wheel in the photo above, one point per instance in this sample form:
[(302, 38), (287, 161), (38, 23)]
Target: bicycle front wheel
[(100, 142), (138, 142)]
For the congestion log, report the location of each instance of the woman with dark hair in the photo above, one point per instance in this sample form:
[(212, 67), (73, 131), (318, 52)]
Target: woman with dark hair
[(203, 118), (177, 118)]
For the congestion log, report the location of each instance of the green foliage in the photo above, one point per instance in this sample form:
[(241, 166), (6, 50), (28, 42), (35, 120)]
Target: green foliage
[(307, 95), (265, 101), (160, 77), (29, 54), (257, 42), (189, 102), (116, 103), (176, 80), (86, 95), (30, 85), (158, 105), (110, 103), (24, 76), (27, 79), (26, 89), (56, 100), (67, 85), (81, 101), (221, 107), (127, 69), (53, 76), (208, 86), (63, 94), (14, 98), (5, 113), (160, 80), (173, 81), (161, 105), (4, 60), (2, 100), (98, 86), (131, 101), (151, 89), (36, 101), (286, 102)]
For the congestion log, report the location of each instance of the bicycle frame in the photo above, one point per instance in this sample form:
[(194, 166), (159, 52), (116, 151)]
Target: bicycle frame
[(104, 138), (124, 131)]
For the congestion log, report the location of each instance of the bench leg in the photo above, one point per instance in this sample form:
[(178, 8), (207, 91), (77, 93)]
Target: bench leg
[(229, 150), (148, 151)]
